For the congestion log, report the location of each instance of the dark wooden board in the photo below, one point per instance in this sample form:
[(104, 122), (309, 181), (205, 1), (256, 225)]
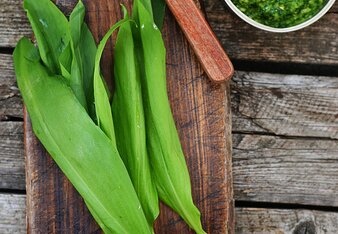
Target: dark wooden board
[(202, 113), (279, 221)]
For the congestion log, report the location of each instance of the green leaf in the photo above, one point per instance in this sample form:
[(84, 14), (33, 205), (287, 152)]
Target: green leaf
[(87, 46), (167, 160), (82, 151), (65, 61), (51, 31), (77, 82), (101, 97), (80, 59), (129, 121), (76, 78), (158, 7), (76, 21)]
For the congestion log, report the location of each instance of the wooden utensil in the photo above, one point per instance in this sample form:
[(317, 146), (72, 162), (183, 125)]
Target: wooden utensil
[(207, 48)]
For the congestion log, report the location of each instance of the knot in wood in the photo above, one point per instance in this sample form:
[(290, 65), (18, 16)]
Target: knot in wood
[(305, 227)]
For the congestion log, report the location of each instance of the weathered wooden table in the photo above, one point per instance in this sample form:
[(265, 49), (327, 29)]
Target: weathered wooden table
[(285, 123)]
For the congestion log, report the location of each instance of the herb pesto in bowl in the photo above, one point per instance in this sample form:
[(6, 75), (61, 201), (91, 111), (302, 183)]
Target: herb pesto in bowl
[(280, 15)]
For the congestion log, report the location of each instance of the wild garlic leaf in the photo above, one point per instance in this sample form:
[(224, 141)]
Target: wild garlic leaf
[(82, 151), (51, 31), (87, 47), (76, 20), (129, 121), (101, 97), (158, 7), (76, 81), (167, 160), (65, 62)]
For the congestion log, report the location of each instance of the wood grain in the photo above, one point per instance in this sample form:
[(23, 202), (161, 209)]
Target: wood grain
[(10, 98), (260, 163), (12, 214), (248, 220), (12, 165), (279, 221), (309, 101), (207, 48), (316, 44), (13, 23), (285, 170), (202, 113), (288, 105), (289, 93)]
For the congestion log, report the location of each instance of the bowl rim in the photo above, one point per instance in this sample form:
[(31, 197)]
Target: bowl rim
[(256, 24)]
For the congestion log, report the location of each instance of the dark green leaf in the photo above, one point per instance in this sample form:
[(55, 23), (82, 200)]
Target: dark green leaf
[(87, 47), (158, 7)]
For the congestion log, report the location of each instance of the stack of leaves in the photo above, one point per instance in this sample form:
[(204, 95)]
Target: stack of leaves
[(122, 157)]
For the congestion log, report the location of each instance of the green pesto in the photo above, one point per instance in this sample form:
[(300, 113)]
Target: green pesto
[(280, 13)]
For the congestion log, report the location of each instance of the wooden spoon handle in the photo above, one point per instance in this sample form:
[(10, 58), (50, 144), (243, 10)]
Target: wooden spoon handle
[(207, 48)]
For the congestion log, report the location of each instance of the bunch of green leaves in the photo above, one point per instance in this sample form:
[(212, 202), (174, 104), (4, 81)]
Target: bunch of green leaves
[(122, 156), (52, 80), (169, 169)]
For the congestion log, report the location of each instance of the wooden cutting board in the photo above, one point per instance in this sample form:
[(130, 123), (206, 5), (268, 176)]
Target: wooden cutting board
[(202, 113)]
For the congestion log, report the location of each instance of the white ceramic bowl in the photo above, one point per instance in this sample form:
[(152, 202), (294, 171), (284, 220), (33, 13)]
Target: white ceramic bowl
[(280, 30)]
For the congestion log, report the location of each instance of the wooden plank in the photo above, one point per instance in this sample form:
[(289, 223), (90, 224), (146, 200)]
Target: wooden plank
[(285, 170), (260, 220), (248, 220), (249, 91), (288, 105), (307, 105), (202, 113), (316, 44), (13, 23), (12, 165), (262, 167), (10, 99), (12, 214)]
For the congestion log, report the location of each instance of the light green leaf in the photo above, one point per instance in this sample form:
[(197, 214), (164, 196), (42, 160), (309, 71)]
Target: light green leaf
[(129, 121), (51, 31), (167, 160), (82, 151), (76, 21), (101, 97), (77, 82), (65, 61)]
